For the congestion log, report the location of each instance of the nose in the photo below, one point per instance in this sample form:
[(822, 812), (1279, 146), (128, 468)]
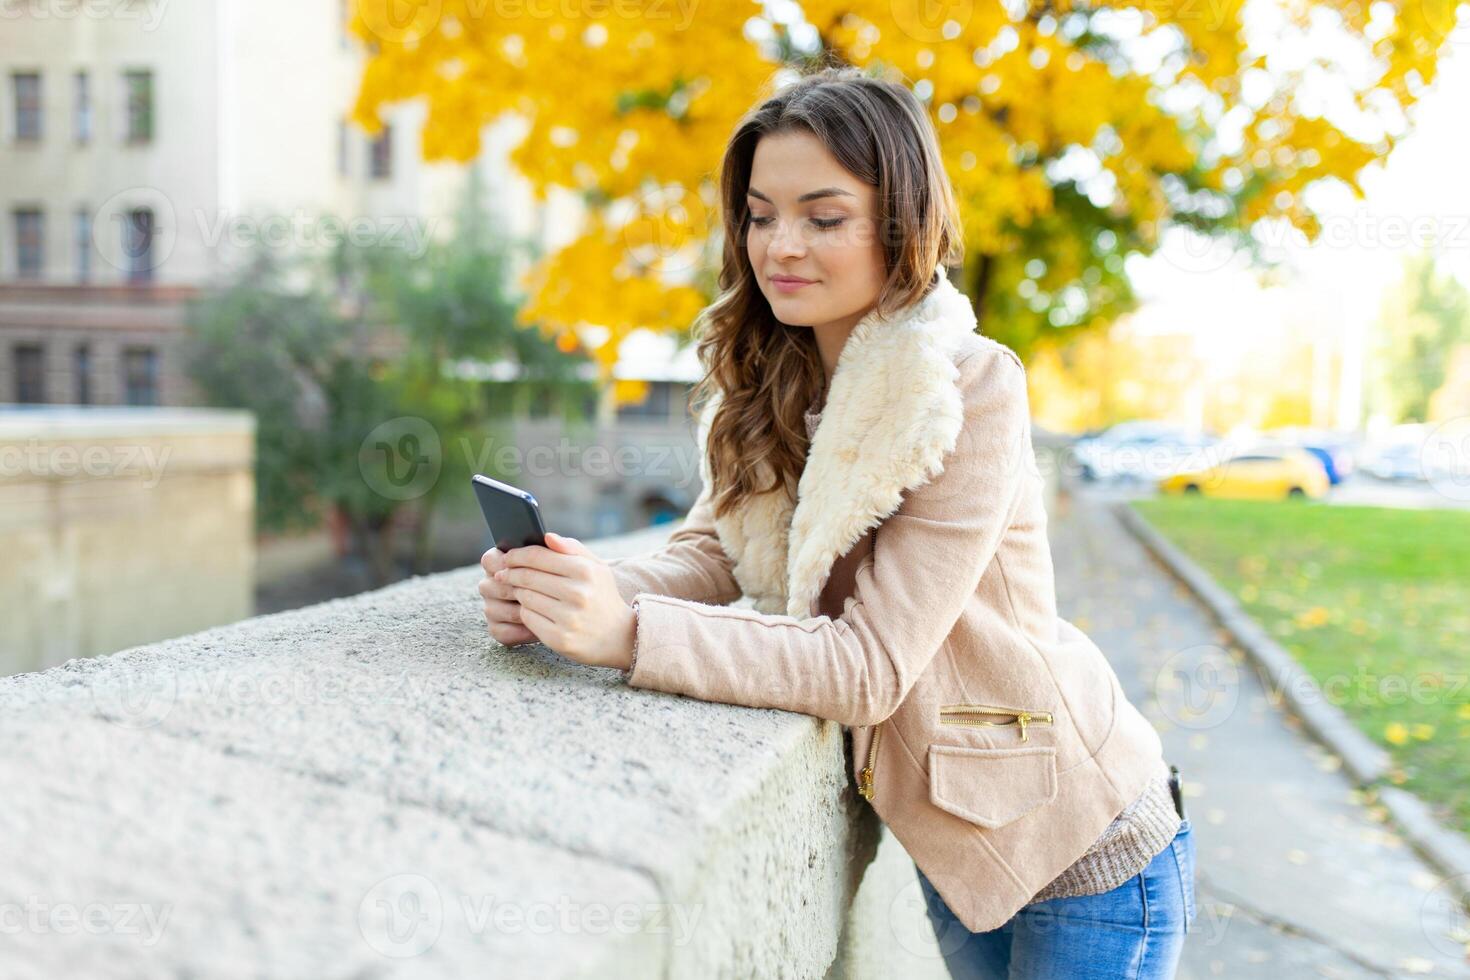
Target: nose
[(786, 242)]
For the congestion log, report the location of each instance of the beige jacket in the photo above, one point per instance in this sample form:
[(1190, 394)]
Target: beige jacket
[(990, 735)]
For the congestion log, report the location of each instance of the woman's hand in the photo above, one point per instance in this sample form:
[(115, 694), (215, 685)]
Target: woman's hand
[(502, 611), (569, 600)]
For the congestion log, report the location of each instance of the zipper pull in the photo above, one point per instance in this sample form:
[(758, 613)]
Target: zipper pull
[(865, 783), (1023, 717)]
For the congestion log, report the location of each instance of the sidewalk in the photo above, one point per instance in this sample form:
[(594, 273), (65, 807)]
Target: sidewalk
[(1296, 876)]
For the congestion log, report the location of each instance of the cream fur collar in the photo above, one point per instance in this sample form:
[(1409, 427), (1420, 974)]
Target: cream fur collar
[(893, 411)]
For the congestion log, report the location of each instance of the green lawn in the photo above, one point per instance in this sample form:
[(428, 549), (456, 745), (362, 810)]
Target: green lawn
[(1373, 601)]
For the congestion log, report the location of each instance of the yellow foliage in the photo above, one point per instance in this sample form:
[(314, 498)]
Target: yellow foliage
[(629, 391), (631, 102)]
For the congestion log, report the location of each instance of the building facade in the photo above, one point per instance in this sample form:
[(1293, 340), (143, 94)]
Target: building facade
[(144, 147)]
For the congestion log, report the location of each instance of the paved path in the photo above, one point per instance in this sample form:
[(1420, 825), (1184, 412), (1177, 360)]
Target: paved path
[(1297, 876)]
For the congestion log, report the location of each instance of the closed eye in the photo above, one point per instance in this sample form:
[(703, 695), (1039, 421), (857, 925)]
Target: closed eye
[(823, 223)]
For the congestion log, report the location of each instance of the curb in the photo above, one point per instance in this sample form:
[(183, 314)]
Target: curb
[(1446, 849)]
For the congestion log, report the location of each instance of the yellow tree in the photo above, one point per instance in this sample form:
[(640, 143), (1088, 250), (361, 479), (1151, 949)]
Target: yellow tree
[(1075, 134)]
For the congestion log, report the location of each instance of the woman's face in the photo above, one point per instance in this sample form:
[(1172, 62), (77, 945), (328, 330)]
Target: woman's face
[(812, 239)]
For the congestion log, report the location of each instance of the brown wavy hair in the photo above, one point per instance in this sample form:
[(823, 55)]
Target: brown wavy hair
[(766, 372)]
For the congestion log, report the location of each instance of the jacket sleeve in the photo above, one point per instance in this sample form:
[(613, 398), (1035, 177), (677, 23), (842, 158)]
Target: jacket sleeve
[(691, 564), (927, 560)]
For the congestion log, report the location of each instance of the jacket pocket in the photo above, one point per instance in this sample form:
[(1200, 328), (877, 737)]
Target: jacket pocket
[(991, 787), (992, 715)]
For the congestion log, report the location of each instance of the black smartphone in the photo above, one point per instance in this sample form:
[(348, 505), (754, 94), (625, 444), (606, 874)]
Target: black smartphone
[(512, 514)]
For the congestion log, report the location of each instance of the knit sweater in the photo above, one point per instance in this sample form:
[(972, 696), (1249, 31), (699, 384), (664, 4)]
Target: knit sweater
[(1134, 838)]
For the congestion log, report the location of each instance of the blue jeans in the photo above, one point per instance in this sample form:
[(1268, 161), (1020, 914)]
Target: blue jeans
[(1135, 930)]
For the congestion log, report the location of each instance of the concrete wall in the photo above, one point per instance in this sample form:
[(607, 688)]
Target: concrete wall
[(373, 787), (121, 526)]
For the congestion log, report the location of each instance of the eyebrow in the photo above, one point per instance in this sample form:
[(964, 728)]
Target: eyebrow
[(808, 196)]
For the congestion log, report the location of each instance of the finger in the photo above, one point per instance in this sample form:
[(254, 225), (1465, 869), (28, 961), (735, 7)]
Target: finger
[(491, 588), (510, 636), (503, 611), (492, 561), (544, 628), (568, 546), (542, 605), (535, 556), (553, 586)]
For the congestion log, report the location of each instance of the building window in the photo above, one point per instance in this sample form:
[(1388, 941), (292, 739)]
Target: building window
[(343, 145), (138, 236), (27, 89), (139, 88), (654, 407), (82, 369), (140, 375), (29, 247), (380, 154), (82, 230), (83, 107), (30, 374)]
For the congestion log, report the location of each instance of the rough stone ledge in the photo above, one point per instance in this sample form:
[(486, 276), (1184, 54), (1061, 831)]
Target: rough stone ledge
[(372, 787)]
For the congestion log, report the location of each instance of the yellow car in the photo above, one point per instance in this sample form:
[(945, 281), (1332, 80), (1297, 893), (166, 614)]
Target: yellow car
[(1271, 474)]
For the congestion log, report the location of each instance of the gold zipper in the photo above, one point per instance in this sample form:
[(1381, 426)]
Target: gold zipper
[(865, 778), (957, 714)]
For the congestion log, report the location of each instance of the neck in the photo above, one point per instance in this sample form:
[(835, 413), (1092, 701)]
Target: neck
[(831, 338)]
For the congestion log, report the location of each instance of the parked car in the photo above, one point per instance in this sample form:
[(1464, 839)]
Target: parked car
[(1397, 461), (1333, 449), (1261, 473), (1140, 450)]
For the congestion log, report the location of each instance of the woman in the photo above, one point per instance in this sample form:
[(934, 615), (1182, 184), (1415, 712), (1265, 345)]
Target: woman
[(870, 547)]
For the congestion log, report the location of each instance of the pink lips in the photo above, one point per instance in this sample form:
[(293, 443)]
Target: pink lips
[(790, 284)]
